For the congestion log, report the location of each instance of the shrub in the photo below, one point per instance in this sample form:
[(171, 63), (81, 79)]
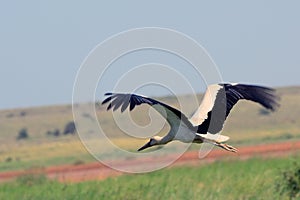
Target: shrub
[(23, 113), (23, 134), (55, 133), (289, 182), (8, 159), (78, 162), (70, 128), (264, 112)]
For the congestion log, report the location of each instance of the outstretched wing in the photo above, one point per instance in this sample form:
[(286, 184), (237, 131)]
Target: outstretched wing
[(219, 99), (172, 115)]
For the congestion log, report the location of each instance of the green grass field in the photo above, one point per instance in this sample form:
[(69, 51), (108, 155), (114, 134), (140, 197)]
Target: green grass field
[(250, 179)]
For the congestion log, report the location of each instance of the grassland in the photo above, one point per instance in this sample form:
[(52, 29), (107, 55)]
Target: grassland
[(251, 179), (246, 125)]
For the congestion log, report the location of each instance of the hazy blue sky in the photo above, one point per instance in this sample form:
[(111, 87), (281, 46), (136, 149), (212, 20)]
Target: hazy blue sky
[(43, 43)]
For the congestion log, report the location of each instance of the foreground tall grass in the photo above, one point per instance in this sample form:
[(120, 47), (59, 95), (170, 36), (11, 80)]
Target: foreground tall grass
[(251, 179)]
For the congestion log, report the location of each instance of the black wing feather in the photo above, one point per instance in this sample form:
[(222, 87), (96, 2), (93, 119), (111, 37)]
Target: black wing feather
[(117, 103), (228, 96), (117, 100), (259, 94), (126, 102)]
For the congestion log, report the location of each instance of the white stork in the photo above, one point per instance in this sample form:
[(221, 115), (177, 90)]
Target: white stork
[(208, 119)]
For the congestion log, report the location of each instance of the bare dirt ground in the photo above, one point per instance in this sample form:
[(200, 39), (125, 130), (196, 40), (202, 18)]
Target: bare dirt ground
[(98, 171)]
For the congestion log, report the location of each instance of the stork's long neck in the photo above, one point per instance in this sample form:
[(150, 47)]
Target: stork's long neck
[(163, 140)]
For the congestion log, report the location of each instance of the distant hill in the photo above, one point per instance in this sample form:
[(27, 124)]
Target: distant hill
[(245, 121)]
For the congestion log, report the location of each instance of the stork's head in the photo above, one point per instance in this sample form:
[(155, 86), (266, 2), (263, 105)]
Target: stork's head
[(156, 140)]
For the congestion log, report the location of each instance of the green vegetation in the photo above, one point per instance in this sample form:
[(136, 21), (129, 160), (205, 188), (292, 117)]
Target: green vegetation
[(55, 133), (70, 128), (289, 183), (22, 134), (251, 179)]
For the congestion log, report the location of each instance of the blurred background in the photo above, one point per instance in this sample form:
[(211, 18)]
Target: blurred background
[(43, 44)]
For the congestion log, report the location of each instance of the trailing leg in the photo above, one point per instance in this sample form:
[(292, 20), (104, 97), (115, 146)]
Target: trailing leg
[(220, 144)]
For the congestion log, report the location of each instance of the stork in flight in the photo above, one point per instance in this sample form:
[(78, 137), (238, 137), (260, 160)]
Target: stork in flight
[(207, 120)]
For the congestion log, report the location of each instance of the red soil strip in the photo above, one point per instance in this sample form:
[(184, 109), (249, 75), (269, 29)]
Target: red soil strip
[(98, 171)]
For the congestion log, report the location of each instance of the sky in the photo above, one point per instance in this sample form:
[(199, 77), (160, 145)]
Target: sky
[(44, 43)]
